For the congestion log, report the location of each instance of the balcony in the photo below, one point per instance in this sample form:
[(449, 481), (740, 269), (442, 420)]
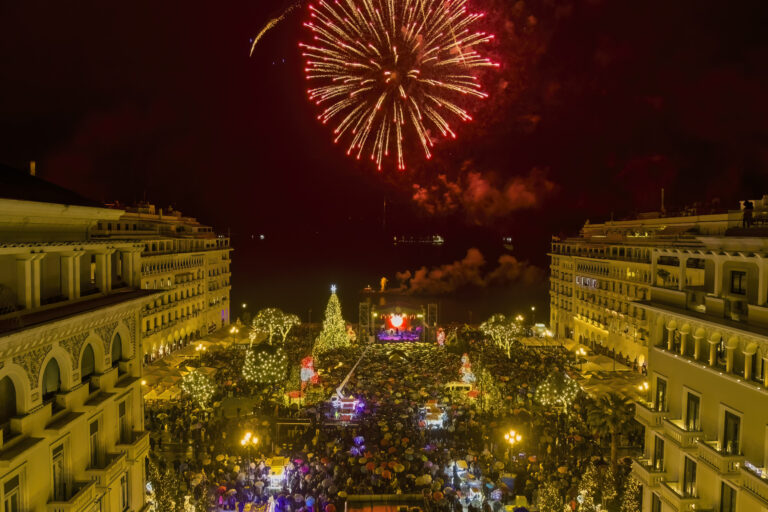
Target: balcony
[(755, 482), (113, 466), (648, 416), (724, 463), (84, 494), (647, 474), (671, 494), (676, 432), (135, 447)]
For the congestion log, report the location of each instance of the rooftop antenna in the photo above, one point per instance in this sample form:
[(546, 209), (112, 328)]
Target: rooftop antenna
[(662, 200)]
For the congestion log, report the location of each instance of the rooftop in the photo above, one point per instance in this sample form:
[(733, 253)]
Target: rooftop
[(27, 319), (22, 186)]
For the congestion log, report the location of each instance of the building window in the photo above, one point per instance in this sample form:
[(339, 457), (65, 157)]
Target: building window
[(655, 503), (731, 428), (689, 478), (692, 422), (739, 282), (658, 454), (124, 492), (12, 495), (727, 498), (51, 380), (57, 467), (93, 442), (660, 401)]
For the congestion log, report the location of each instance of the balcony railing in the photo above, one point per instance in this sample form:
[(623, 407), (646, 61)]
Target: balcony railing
[(647, 474), (648, 416), (755, 482), (136, 446), (724, 463), (677, 433), (113, 466), (84, 493), (671, 493)]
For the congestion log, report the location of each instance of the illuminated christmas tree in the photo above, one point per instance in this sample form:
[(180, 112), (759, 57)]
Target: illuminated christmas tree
[(334, 333), (630, 499), (550, 499), (198, 386)]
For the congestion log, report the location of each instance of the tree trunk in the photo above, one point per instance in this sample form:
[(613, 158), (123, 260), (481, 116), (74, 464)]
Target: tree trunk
[(614, 450)]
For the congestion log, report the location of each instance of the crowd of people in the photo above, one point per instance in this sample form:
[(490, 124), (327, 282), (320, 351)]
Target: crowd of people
[(464, 462)]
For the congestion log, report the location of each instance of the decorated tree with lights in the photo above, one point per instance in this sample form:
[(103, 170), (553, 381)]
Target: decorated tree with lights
[(502, 331), (630, 498), (550, 499), (271, 321), (269, 366), (198, 386), (334, 333), (589, 487), (166, 489), (557, 391)]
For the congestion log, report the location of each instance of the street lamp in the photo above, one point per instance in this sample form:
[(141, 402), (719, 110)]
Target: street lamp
[(582, 354), (249, 441), (644, 388), (234, 330), (200, 349), (533, 314), (519, 318), (245, 305), (512, 437)]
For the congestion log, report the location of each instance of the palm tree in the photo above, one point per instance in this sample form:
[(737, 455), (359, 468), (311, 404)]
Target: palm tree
[(608, 416)]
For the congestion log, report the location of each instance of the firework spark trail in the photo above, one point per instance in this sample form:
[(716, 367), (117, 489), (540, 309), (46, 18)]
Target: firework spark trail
[(271, 24), (384, 64)]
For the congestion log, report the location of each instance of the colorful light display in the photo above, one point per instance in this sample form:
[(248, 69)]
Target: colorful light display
[(391, 71)]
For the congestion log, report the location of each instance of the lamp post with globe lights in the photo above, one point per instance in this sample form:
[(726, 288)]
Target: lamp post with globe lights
[(512, 437), (249, 441)]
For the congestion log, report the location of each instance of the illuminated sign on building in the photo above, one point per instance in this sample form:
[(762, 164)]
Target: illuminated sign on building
[(586, 282)]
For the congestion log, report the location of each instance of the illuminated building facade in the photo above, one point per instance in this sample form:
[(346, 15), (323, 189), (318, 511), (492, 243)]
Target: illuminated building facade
[(71, 412), (701, 307), (187, 262)]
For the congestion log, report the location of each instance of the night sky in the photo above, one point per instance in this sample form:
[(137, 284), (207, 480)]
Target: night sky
[(597, 106)]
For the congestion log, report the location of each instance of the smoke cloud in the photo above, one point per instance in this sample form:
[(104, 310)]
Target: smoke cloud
[(468, 272), (481, 197)]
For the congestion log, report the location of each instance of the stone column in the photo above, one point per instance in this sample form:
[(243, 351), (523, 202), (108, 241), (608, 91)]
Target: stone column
[(101, 272), (748, 366), (24, 280), (36, 285), (712, 353), (697, 347), (670, 338), (683, 340), (765, 371), (718, 275), (729, 359), (681, 280), (76, 273), (68, 260), (762, 276)]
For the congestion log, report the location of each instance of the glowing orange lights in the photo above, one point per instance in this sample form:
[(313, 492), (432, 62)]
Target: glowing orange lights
[(387, 71)]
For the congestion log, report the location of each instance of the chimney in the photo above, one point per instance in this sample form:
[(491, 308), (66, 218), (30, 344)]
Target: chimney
[(32, 168)]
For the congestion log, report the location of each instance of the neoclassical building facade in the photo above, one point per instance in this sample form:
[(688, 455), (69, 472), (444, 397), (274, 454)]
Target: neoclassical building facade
[(186, 262), (71, 412), (706, 410)]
